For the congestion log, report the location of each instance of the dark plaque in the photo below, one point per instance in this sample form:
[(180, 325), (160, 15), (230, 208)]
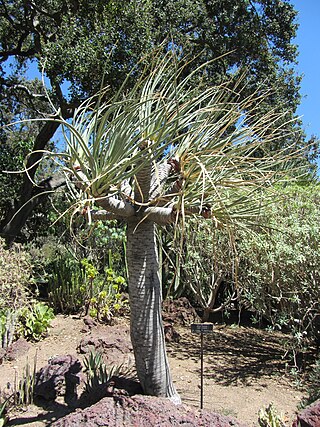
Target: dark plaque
[(201, 328)]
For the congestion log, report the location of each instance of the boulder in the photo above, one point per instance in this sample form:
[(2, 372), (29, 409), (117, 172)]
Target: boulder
[(309, 417), (179, 312), (143, 411), (170, 333), (115, 387), (59, 378), (113, 347), (89, 324), (17, 349)]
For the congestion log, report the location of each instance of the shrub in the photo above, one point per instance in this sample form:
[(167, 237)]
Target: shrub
[(79, 287), (109, 301), (8, 327), (35, 321), (200, 264), (98, 372), (31, 322), (269, 417), (279, 268), (3, 413), (15, 274), (66, 285), (22, 392)]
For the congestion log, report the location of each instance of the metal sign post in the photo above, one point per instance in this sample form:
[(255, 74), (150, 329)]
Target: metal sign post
[(201, 328)]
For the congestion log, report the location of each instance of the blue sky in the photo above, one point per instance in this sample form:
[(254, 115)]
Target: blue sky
[(308, 41)]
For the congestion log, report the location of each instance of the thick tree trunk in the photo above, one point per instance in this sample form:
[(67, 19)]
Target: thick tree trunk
[(147, 332), (30, 195), (17, 217)]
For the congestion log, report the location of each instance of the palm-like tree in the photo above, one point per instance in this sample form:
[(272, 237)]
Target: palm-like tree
[(161, 151)]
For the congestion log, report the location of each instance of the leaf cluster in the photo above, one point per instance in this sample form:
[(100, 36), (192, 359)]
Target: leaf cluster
[(80, 43), (218, 140), (35, 321), (98, 372), (278, 269)]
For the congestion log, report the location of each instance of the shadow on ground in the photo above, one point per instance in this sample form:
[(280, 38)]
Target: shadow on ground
[(234, 354)]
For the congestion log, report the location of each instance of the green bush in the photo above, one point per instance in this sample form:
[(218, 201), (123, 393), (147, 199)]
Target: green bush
[(109, 301), (106, 245), (35, 321), (199, 264), (8, 327), (269, 417), (279, 269), (78, 287), (272, 269), (31, 322), (15, 295), (98, 372), (67, 285), (44, 252), (15, 274), (3, 413)]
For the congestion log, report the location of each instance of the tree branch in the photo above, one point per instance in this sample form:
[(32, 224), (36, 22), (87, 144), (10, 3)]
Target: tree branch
[(120, 208), (27, 91), (159, 178), (100, 215), (161, 215), (17, 51)]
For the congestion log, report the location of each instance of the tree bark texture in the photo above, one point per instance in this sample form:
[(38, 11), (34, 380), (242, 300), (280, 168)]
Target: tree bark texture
[(147, 333), (145, 294)]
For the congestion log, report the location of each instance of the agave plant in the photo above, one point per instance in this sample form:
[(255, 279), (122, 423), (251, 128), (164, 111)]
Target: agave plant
[(162, 150), (99, 373), (3, 415)]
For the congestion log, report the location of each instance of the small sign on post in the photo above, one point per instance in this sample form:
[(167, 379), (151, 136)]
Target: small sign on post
[(201, 328)]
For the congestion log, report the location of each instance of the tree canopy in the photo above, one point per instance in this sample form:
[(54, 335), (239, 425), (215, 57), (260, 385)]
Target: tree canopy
[(85, 44)]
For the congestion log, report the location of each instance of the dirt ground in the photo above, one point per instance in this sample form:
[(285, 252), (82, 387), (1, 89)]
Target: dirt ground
[(244, 370)]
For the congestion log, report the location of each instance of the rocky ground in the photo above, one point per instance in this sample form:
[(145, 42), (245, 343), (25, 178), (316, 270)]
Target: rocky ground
[(244, 370)]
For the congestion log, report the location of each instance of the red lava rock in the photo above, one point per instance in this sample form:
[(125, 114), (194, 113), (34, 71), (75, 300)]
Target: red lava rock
[(115, 387), (309, 417), (143, 411), (171, 335), (90, 322), (17, 349), (179, 312), (115, 346), (58, 378)]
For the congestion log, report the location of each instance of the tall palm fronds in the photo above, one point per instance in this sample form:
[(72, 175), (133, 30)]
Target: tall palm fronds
[(210, 135)]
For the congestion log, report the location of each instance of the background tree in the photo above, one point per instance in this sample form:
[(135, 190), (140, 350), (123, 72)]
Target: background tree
[(200, 262), (279, 267), (154, 153), (78, 42), (43, 31), (271, 272)]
